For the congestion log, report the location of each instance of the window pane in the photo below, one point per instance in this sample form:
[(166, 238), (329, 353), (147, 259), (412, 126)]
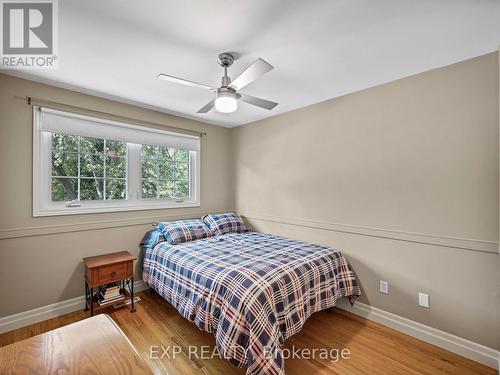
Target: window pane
[(149, 168), (149, 152), (91, 189), (116, 167), (65, 142), (116, 148), (166, 155), (181, 155), (91, 145), (167, 171), (116, 189), (91, 166), (64, 189), (149, 189), (64, 164), (181, 190), (181, 172), (167, 189)]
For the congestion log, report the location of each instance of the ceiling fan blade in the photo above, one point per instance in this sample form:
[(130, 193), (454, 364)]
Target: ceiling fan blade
[(267, 104), (185, 82), (207, 107), (254, 71)]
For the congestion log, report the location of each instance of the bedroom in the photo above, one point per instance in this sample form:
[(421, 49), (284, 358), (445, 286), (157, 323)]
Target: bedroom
[(359, 158)]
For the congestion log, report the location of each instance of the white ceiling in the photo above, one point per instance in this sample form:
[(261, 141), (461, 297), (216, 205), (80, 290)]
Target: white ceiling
[(320, 49)]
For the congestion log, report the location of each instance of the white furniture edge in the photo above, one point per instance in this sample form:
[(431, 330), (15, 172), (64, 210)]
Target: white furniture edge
[(54, 310), (458, 345)]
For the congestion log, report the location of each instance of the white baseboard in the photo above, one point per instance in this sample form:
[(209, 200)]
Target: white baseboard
[(479, 353), (40, 314)]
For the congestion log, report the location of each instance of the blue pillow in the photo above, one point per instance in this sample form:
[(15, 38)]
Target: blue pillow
[(152, 238), (176, 232), (225, 223)]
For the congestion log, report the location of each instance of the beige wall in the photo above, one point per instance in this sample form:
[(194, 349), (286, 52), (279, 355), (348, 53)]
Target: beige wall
[(403, 178), (41, 258)]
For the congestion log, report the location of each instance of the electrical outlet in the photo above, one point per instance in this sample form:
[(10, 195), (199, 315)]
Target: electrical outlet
[(384, 287), (423, 300)]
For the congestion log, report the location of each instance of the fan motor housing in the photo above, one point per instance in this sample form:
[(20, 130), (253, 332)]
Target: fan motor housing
[(228, 91), (226, 81), (225, 59)]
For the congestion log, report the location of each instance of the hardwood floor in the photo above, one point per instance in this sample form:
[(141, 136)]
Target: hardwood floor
[(374, 349)]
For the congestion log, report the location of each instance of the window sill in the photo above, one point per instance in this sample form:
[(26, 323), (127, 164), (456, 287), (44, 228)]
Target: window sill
[(93, 208)]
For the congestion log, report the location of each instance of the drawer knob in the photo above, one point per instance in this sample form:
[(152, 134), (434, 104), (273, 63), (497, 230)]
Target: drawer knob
[(113, 274)]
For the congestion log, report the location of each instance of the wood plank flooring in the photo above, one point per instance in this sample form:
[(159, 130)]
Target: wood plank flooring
[(374, 349)]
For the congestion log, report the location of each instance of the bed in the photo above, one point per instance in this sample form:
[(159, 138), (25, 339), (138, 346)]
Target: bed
[(252, 290)]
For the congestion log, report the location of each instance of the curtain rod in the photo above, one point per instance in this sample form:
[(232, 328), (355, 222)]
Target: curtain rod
[(86, 111)]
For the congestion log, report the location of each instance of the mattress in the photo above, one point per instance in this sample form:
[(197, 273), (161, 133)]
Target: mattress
[(252, 290)]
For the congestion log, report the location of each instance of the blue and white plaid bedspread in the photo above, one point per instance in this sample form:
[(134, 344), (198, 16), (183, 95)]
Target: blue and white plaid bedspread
[(252, 290)]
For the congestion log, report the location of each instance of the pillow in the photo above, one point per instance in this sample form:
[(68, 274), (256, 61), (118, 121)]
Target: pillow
[(152, 238), (176, 232), (225, 223)]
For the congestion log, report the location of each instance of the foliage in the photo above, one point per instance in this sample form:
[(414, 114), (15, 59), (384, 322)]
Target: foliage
[(165, 172), (96, 169)]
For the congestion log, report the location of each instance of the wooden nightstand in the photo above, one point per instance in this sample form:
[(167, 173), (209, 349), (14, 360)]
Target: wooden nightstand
[(105, 269)]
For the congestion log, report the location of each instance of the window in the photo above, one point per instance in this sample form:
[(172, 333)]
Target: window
[(165, 172), (83, 164), (88, 168)]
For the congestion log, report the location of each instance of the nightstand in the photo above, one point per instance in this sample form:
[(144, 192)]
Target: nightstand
[(105, 269)]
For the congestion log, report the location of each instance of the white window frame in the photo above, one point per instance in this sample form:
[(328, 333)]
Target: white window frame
[(42, 178)]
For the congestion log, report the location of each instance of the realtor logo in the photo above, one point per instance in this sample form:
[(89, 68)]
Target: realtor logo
[(29, 34)]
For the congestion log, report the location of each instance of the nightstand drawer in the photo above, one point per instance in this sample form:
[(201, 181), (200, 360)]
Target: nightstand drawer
[(113, 272), (110, 273)]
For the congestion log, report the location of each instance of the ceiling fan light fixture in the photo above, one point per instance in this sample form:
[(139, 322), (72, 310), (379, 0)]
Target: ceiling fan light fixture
[(226, 101), (227, 94)]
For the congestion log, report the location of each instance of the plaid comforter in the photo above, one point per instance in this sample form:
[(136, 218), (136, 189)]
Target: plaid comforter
[(253, 290)]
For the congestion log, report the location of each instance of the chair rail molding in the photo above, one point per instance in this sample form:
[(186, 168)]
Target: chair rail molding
[(95, 225), (424, 238)]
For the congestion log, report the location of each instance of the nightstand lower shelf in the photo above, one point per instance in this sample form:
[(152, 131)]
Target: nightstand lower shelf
[(91, 297), (97, 308)]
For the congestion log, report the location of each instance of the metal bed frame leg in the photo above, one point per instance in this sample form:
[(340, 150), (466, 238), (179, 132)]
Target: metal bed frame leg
[(132, 294), (86, 296), (91, 301)]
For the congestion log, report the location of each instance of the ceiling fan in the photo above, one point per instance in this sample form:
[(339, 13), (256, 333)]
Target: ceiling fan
[(227, 95)]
